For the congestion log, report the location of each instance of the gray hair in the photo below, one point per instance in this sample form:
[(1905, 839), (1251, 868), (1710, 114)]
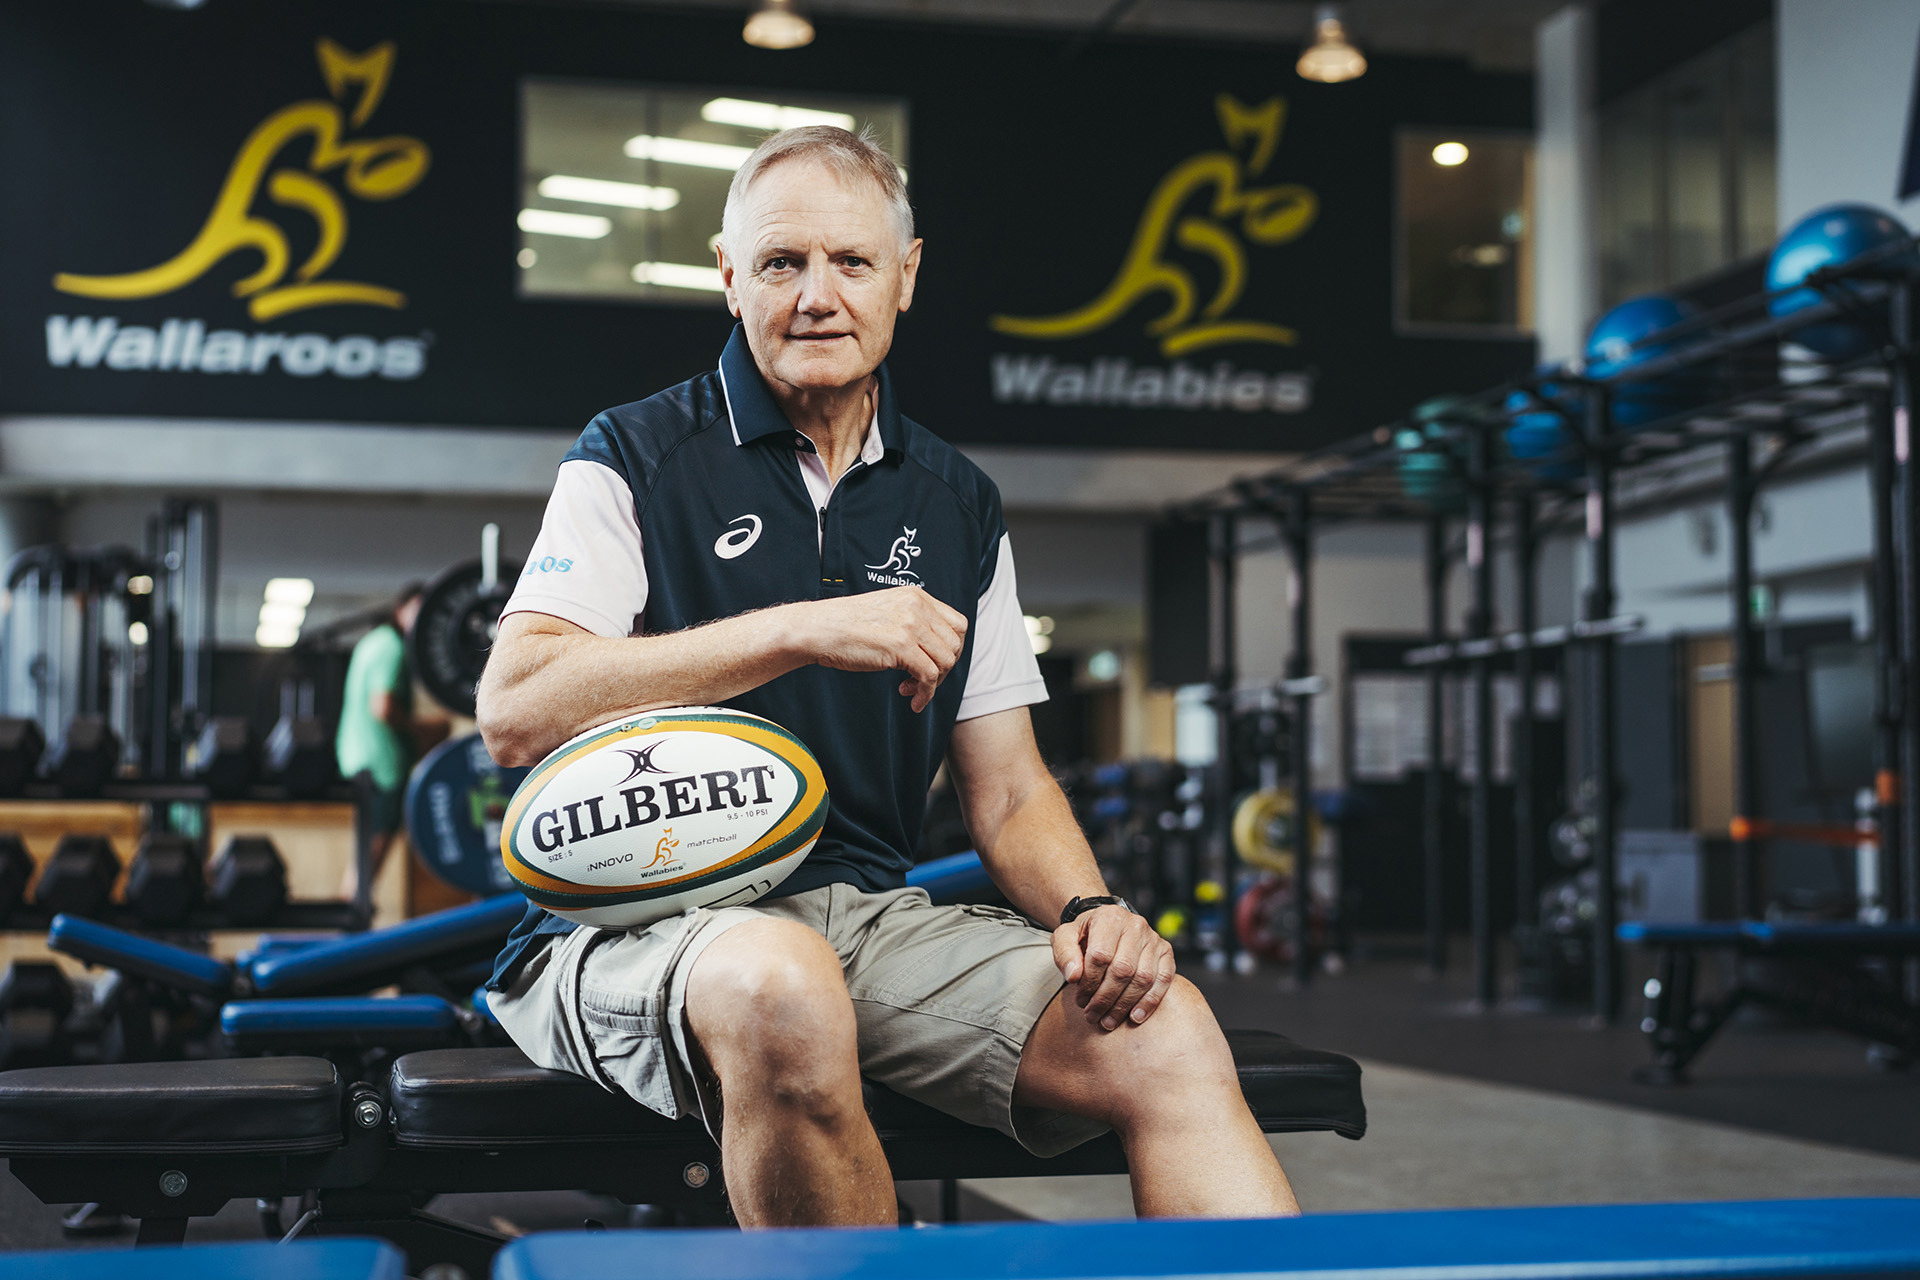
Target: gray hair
[(852, 156)]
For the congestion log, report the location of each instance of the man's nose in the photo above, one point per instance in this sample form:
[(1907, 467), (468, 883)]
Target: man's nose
[(819, 291)]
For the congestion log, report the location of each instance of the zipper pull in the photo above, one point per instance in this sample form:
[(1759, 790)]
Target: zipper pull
[(823, 522)]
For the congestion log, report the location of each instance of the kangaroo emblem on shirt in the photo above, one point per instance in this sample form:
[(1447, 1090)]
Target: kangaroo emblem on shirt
[(901, 555)]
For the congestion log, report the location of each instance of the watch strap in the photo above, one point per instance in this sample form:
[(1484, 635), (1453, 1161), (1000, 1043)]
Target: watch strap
[(1077, 906)]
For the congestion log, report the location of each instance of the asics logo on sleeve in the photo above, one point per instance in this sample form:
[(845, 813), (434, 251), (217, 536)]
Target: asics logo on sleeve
[(735, 542)]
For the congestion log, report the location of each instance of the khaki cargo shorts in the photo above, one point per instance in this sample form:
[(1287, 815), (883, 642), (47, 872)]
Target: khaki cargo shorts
[(944, 998)]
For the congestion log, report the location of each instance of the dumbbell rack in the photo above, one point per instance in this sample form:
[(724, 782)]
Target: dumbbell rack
[(353, 915)]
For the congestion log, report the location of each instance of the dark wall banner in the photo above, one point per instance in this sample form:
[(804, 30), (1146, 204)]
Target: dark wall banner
[(299, 211)]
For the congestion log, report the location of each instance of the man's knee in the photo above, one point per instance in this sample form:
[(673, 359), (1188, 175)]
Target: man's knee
[(769, 1008), (1178, 1058)]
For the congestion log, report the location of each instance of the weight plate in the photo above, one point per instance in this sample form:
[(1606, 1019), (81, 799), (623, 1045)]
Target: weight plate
[(455, 801), (1263, 830), (454, 632)]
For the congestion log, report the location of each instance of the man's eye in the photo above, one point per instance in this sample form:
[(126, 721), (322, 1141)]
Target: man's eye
[(854, 262), (777, 264)]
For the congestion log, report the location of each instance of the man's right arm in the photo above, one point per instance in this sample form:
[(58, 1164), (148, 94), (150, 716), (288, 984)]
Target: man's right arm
[(548, 679)]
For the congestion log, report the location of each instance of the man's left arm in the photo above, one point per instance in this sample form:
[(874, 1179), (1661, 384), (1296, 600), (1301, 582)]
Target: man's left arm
[(1024, 829)]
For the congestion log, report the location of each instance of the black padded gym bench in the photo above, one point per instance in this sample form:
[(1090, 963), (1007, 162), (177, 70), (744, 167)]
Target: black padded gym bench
[(167, 1141)]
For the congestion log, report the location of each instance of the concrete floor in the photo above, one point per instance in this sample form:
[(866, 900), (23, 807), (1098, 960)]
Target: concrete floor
[(1438, 1141)]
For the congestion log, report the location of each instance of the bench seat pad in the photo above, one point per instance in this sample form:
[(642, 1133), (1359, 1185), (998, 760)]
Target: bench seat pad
[(222, 1105), (496, 1097)]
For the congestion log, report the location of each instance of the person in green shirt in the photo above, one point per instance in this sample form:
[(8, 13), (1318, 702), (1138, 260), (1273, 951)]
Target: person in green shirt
[(379, 735)]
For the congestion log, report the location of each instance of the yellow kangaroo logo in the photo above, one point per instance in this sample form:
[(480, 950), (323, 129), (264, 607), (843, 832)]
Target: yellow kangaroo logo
[(372, 169), (1267, 216), (663, 849)]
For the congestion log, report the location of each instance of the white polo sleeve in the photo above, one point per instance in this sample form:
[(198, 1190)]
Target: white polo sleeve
[(1004, 673), (585, 567)]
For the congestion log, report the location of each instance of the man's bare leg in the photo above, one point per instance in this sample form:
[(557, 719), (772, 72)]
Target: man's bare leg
[(1169, 1090), (769, 1009)]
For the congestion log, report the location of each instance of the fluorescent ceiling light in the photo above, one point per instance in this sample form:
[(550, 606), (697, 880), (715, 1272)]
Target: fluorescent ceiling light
[(678, 275), (276, 637), (282, 615), (1450, 154), (703, 155), (628, 195), (298, 591), (137, 632), (551, 222), (770, 116)]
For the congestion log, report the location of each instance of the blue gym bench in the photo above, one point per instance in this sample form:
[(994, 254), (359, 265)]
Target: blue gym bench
[(1820, 971), (167, 1141), (342, 1259), (440, 955), (270, 993), (1590, 1242)]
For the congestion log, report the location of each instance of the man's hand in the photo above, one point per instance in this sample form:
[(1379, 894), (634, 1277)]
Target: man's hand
[(899, 629), (1119, 967)]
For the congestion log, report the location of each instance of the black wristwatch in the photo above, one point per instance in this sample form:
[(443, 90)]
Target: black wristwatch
[(1077, 907)]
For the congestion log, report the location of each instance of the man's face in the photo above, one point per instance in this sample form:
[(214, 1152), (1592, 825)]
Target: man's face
[(820, 275)]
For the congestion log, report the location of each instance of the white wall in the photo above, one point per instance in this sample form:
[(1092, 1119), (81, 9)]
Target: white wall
[(1846, 86), (1566, 157), (1812, 543)]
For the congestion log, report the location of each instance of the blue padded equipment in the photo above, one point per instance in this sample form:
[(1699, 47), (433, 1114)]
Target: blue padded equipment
[(1819, 976), (161, 962), (954, 879), (340, 1258), (341, 962), (278, 944), (1755, 1238), (1768, 935), (316, 1024)]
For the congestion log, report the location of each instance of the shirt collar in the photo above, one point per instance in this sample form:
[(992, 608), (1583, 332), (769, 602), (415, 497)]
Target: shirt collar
[(753, 414)]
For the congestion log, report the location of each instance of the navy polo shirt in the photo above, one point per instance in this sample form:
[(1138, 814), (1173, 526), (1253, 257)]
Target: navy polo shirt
[(703, 502)]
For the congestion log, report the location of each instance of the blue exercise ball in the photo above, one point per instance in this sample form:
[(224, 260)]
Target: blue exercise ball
[(1541, 427), (1827, 237), (1430, 470), (1611, 351)]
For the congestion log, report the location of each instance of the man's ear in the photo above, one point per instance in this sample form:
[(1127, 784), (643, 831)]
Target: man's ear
[(726, 277), (909, 273)]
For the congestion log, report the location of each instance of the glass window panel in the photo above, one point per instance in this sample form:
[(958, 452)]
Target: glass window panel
[(1466, 230), (1696, 164), (1632, 244), (622, 186), (1687, 169), (1754, 131)]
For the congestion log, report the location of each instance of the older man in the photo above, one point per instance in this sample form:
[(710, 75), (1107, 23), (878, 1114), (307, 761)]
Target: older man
[(681, 573)]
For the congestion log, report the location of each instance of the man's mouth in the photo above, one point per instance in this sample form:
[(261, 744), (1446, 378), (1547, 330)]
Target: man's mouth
[(817, 337)]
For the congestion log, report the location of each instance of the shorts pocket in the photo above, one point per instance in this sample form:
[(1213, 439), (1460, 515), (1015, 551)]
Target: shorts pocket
[(636, 1024), (632, 1055), (1001, 915)]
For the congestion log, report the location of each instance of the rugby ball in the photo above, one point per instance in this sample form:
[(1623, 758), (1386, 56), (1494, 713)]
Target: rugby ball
[(644, 818)]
